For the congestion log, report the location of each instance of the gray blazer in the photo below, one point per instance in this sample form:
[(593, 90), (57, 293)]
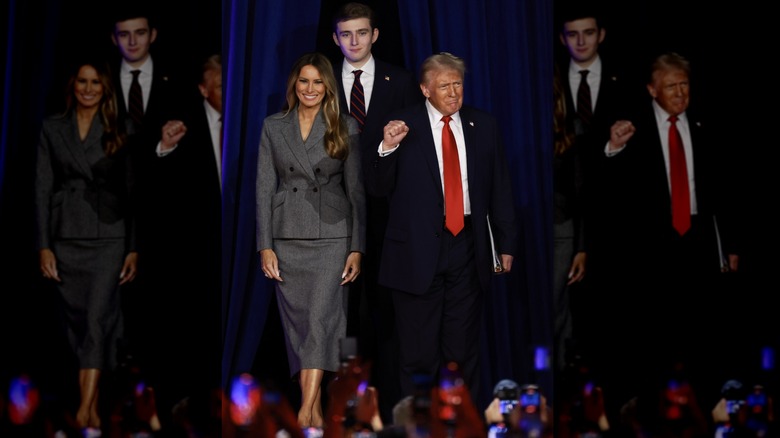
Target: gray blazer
[(302, 193), (80, 193)]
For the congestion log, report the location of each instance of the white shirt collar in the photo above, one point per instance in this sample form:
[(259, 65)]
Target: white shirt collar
[(663, 117), (594, 69), (146, 68), (369, 68), (212, 114), (434, 116)]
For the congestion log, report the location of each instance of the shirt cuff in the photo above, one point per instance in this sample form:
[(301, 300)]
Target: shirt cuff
[(387, 152)]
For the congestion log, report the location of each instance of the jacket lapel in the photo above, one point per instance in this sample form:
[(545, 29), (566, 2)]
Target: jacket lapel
[(292, 136), (69, 132), (429, 153)]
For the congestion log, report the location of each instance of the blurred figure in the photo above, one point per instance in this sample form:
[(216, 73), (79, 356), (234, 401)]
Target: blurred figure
[(86, 237), (744, 413), (254, 410), (353, 405), (581, 408), (670, 410), (526, 416), (311, 222)]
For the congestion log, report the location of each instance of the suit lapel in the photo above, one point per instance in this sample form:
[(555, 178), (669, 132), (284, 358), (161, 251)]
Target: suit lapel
[(428, 146), (292, 136), (69, 132), (470, 136)]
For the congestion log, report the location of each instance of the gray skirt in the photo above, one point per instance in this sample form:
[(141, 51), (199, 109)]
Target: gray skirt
[(312, 303), (89, 270)]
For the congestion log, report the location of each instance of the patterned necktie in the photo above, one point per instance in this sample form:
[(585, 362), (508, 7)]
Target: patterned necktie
[(357, 101), (136, 101), (453, 190), (678, 175), (584, 104)]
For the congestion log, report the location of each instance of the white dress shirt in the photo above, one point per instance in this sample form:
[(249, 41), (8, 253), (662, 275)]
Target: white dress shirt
[(593, 78), (366, 79), (144, 79)]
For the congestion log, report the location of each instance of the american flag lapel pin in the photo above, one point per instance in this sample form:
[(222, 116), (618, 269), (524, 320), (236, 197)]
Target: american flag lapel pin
[(387, 78), (472, 124)]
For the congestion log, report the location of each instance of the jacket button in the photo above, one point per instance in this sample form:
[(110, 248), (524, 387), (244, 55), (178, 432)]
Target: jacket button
[(317, 170), (295, 189), (291, 169), (315, 190)]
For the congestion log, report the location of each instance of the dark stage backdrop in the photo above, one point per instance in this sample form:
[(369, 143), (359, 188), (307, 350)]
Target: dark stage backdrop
[(38, 40), (508, 53)]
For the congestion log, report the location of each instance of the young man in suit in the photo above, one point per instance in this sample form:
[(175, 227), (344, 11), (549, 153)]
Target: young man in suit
[(370, 96), (133, 34), (442, 167), (148, 99), (591, 85)]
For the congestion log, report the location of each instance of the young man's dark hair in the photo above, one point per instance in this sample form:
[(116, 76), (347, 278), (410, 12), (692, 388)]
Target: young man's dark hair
[(351, 11)]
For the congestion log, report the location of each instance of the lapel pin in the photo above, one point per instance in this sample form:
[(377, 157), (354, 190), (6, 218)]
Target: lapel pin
[(387, 78), (471, 123)]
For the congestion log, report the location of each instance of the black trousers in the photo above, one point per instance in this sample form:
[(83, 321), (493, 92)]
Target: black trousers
[(442, 325)]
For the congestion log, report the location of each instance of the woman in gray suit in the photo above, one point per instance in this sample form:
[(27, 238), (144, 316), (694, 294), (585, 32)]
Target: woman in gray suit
[(85, 231), (311, 222)]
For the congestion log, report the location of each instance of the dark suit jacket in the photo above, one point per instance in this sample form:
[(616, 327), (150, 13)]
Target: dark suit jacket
[(186, 189), (611, 93), (81, 193), (394, 89), (164, 97), (637, 183), (410, 178)]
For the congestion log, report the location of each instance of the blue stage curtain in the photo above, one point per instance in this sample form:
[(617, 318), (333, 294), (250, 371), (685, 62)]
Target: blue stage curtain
[(261, 41), (508, 51)]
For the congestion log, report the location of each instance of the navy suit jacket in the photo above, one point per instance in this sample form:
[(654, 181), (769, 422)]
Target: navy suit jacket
[(394, 88), (641, 206), (410, 178)]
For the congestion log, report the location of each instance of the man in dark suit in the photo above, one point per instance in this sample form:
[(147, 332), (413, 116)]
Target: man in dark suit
[(384, 88), (443, 176), (187, 171), (672, 215)]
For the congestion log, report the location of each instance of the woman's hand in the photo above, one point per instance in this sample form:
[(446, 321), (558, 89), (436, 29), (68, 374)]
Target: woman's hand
[(351, 268), (49, 264), (270, 264), (577, 270), (129, 268)]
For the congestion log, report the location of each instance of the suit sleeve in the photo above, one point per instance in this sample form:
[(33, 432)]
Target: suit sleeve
[(44, 182), (265, 186)]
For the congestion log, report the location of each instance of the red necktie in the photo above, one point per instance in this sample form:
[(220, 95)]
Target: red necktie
[(357, 105), (678, 174), (453, 190)]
